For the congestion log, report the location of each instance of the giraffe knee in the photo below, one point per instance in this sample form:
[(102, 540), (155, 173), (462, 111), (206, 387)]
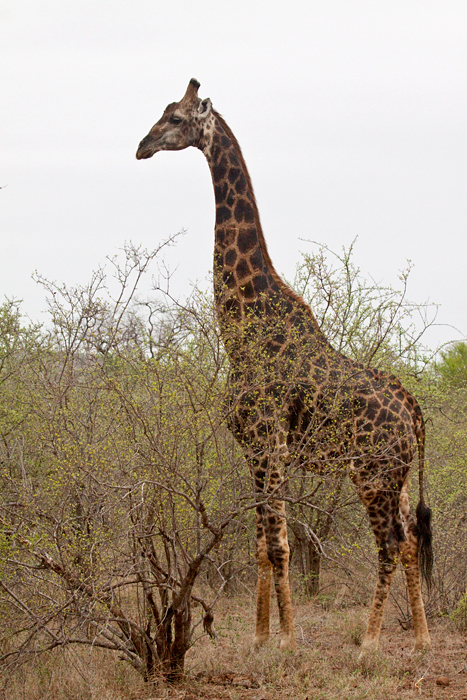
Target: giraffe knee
[(387, 555), (387, 567), (278, 549), (277, 556)]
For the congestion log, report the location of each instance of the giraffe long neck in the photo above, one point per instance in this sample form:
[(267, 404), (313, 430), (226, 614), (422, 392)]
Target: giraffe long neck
[(245, 281)]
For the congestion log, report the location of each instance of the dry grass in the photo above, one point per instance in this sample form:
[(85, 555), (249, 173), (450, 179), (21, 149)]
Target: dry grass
[(324, 667)]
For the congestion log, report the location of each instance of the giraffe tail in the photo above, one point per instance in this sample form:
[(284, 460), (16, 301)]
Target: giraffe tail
[(423, 512)]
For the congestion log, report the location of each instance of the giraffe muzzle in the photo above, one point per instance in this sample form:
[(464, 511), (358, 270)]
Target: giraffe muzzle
[(146, 148)]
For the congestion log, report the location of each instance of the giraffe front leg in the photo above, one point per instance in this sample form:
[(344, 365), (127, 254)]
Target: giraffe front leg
[(263, 591), (278, 555)]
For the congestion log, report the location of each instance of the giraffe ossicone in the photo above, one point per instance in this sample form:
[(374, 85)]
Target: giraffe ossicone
[(294, 400)]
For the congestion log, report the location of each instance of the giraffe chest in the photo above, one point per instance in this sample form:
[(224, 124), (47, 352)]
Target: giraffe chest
[(307, 419), (326, 426)]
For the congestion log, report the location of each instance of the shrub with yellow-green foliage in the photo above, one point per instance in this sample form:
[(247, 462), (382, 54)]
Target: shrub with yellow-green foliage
[(119, 479), (126, 506), (447, 471)]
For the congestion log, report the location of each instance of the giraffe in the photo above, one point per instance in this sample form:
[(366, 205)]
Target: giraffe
[(293, 398)]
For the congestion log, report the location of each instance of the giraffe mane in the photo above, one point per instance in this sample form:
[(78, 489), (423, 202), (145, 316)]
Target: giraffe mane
[(262, 241)]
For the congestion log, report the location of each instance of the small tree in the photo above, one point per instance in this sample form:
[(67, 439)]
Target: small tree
[(110, 514), (452, 367)]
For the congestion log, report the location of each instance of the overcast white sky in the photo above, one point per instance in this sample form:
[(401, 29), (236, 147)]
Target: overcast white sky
[(351, 115)]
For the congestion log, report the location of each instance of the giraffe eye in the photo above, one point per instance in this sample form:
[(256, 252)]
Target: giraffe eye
[(174, 119)]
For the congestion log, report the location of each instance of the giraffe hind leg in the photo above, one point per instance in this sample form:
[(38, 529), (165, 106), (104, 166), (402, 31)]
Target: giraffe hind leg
[(385, 521), (410, 562), (386, 567)]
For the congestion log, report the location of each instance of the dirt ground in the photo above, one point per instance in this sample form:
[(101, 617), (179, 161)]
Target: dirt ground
[(325, 665)]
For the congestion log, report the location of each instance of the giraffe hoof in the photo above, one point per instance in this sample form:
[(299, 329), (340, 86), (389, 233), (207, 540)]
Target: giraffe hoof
[(368, 649), (421, 647), (288, 643), (260, 640)]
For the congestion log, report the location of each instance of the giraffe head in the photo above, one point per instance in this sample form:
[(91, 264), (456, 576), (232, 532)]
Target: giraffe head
[(181, 125)]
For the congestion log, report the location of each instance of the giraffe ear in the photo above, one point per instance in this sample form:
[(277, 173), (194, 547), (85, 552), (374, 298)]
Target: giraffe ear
[(204, 107)]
